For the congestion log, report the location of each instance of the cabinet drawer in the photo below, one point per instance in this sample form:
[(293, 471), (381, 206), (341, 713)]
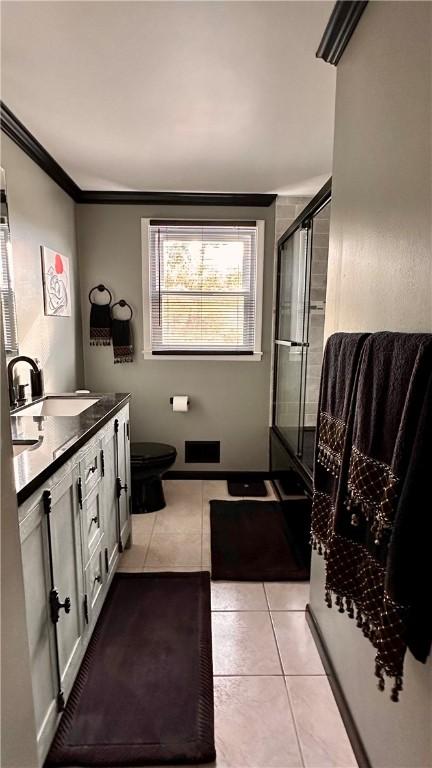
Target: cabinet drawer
[(95, 582), (92, 521), (91, 469)]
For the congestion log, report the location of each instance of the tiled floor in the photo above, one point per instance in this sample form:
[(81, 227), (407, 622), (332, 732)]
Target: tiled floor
[(273, 703)]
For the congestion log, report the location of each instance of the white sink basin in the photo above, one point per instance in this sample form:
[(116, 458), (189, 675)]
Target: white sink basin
[(23, 445), (59, 406)]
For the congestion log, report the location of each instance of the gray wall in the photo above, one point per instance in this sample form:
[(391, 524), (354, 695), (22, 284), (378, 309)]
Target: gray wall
[(229, 400), (42, 214), (379, 277)]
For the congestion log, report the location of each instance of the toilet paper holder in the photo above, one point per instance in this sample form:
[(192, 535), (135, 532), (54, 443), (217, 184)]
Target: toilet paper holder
[(172, 400)]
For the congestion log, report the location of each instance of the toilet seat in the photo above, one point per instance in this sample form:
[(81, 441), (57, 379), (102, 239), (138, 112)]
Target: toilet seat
[(151, 453)]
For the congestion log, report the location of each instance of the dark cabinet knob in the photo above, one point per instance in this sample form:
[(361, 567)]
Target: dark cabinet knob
[(56, 605)]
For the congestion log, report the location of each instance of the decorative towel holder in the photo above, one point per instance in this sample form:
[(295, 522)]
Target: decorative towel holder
[(102, 288), (123, 303)]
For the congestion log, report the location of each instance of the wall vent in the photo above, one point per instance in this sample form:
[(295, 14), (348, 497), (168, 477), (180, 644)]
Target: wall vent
[(202, 452)]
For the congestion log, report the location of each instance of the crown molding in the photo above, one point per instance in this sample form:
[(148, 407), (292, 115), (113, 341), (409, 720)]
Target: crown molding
[(341, 25), (177, 198), (16, 131), (25, 140)]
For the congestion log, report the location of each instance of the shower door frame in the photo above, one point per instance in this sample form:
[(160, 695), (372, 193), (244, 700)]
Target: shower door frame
[(303, 222)]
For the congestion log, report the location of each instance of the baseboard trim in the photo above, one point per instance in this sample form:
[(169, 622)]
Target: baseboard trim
[(206, 474), (345, 712)]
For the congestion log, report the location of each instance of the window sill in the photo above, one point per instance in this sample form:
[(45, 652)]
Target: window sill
[(255, 358)]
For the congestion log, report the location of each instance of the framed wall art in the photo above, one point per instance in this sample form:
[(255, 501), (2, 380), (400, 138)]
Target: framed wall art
[(56, 283)]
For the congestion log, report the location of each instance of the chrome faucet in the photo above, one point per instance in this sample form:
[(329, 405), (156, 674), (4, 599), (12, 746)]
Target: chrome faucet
[(36, 378)]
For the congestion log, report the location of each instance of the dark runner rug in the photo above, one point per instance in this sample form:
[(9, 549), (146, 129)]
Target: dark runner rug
[(255, 488), (252, 541), (144, 692)]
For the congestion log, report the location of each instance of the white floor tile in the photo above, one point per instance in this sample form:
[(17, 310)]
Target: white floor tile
[(182, 518), (296, 645), (243, 644), (142, 527), (206, 551), (174, 549), (237, 596), (179, 490), (321, 732), (133, 559), (253, 724), (206, 517), (287, 596)]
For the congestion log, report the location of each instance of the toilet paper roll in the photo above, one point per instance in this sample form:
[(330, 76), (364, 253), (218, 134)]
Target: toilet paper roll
[(180, 403)]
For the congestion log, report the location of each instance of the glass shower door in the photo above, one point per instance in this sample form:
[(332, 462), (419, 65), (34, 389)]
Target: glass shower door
[(291, 345)]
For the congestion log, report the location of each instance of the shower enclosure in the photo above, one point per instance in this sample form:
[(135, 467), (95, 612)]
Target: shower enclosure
[(299, 330)]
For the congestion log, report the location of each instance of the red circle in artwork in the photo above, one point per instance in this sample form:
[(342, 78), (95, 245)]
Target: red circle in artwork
[(58, 264)]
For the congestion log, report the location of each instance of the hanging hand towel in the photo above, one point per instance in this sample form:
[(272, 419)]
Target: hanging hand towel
[(100, 325), (122, 341), (392, 383)]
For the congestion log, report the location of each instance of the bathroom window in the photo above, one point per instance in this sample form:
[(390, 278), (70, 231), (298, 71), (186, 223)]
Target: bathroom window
[(202, 286), (7, 290)]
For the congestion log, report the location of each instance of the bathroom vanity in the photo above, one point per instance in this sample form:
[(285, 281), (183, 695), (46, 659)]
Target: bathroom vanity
[(73, 484)]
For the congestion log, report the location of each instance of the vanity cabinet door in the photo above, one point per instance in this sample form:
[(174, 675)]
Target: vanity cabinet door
[(40, 630), (68, 576), (124, 480), (110, 503)]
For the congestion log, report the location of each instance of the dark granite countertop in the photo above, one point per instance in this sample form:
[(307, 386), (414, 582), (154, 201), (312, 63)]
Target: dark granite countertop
[(60, 437)]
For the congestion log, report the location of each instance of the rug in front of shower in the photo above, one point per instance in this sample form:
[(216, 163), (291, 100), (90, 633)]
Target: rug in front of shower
[(260, 540)]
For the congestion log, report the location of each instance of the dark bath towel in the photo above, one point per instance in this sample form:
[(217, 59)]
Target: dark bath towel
[(408, 580), (100, 325), (385, 415), (122, 341), (337, 388)]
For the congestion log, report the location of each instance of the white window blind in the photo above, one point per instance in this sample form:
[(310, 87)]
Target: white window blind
[(7, 291), (203, 287)]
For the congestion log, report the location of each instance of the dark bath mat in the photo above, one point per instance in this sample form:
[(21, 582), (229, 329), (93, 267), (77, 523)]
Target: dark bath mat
[(144, 692), (252, 541), (256, 488)]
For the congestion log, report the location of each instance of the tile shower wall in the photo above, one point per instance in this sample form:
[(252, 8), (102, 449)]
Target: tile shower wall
[(320, 245), (287, 209)]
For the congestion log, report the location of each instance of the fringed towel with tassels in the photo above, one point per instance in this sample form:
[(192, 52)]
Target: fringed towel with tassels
[(122, 341), (338, 381), (100, 325), (362, 499)]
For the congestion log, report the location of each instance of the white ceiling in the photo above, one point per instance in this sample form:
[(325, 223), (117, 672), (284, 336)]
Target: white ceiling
[(179, 96)]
